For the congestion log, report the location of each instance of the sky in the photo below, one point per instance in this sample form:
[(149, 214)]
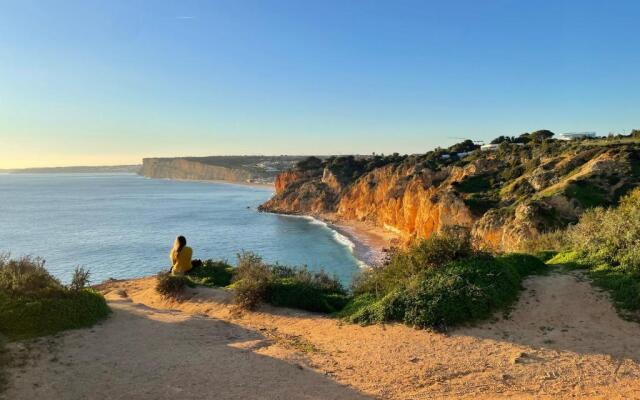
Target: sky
[(110, 82)]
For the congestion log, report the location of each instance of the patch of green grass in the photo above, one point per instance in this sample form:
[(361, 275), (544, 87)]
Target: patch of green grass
[(211, 273), (545, 255), (474, 184), (293, 293), (622, 284), (256, 282), (479, 204), (28, 317), (587, 193), (34, 303), (568, 259)]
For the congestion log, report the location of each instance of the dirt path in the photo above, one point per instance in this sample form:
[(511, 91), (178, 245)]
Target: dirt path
[(562, 340)]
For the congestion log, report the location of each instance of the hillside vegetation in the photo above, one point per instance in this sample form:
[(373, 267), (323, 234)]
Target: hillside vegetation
[(526, 186), (34, 303), (605, 242), (439, 282)]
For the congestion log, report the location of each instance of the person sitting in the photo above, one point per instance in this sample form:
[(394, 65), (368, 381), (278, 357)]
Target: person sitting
[(180, 256)]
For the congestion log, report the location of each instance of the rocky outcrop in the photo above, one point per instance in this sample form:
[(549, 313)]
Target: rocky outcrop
[(403, 201), (503, 200), (285, 179)]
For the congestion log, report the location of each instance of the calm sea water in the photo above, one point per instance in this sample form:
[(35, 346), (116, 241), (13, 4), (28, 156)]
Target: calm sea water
[(123, 225)]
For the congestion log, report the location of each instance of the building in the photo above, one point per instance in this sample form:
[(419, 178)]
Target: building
[(576, 135)]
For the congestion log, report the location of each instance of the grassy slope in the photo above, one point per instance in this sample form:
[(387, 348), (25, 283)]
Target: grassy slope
[(623, 286), (27, 317)]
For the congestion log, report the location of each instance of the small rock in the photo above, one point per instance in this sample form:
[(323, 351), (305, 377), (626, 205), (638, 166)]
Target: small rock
[(519, 358)]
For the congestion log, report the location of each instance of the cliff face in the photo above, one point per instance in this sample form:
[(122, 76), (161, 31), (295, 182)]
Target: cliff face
[(177, 168), (404, 201), (504, 198)]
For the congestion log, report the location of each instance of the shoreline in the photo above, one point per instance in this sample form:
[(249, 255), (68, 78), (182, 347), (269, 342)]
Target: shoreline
[(218, 181), (369, 244)]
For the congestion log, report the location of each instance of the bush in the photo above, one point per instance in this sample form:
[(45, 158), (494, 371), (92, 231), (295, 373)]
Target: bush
[(453, 243), (80, 278), (439, 283), (311, 291), (25, 317), (610, 236), (26, 276), (33, 303), (170, 286), (251, 279), (460, 291), (546, 244), (256, 282), (211, 273), (607, 243)]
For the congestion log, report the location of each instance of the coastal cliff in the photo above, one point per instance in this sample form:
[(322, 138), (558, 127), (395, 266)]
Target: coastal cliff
[(179, 168), (504, 197), (241, 169)]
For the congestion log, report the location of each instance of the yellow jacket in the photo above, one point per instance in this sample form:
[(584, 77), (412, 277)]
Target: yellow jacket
[(181, 261)]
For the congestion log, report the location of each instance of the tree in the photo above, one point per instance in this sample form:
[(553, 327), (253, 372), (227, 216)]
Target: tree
[(541, 135), (501, 139), (309, 163), (463, 147)]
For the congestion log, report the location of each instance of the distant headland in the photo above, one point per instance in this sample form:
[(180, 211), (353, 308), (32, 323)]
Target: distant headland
[(75, 169), (238, 169)]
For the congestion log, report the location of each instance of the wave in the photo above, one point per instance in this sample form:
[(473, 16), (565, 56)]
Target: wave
[(337, 236)]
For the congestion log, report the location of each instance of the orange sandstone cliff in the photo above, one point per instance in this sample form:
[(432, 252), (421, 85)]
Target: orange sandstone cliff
[(503, 197)]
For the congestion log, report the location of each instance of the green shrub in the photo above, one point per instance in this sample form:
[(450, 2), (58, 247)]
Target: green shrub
[(546, 243), (33, 303), (211, 273), (256, 282), (170, 286), (545, 255), (587, 193), (606, 242), (460, 291), (26, 276), (25, 317), (610, 236), (473, 184), (453, 243), (438, 283), (251, 280)]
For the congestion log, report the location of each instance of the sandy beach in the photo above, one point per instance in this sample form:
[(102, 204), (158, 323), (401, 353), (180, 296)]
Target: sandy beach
[(371, 243)]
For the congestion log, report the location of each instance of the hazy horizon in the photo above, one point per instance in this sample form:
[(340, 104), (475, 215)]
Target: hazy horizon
[(93, 84)]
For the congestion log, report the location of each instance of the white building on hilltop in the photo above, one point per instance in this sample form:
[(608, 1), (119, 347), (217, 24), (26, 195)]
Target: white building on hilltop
[(576, 135)]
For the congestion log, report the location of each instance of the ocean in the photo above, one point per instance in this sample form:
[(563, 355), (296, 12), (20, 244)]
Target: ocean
[(123, 225)]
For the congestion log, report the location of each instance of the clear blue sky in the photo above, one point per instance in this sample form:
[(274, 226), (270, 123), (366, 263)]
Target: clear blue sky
[(108, 82)]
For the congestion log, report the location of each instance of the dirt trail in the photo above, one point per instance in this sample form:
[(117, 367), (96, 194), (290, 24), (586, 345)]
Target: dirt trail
[(562, 340)]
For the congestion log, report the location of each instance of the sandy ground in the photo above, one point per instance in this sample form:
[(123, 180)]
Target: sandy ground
[(562, 340)]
